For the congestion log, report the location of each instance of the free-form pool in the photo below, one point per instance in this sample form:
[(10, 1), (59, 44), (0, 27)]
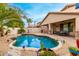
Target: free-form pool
[(34, 41)]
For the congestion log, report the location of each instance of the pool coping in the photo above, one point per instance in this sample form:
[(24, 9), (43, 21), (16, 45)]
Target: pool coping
[(34, 49)]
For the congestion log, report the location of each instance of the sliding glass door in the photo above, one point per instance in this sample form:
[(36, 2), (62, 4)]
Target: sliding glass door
[(68, 27), (65, 27)]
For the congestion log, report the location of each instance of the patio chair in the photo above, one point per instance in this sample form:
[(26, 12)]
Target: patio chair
[(64, 33)]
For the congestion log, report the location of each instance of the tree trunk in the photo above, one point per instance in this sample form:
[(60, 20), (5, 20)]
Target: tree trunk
[(28, 24), (1, 31)]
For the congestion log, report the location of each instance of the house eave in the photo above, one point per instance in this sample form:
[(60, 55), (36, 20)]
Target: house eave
[(69, 13)]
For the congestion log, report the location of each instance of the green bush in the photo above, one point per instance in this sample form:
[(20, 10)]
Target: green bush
[(74, 48), (20, 31), (46, 52)]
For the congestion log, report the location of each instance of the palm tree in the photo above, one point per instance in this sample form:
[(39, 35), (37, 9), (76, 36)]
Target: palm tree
[(29, 20), (10, 16), (15, 23)]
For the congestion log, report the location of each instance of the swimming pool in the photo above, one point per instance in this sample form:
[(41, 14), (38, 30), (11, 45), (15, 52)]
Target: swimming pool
[(34, 41)]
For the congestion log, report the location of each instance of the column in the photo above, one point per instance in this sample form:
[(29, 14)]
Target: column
[(49, 28)]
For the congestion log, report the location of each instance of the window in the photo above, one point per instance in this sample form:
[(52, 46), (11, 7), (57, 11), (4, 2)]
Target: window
[(77, 5), (70, 26), (61, 27), (65, 27)]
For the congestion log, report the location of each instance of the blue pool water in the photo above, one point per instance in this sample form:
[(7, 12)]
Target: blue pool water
[(34, 41)]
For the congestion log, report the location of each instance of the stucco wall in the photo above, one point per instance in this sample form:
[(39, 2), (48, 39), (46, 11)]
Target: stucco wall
[(33, 30), (77, 24), (14, 31), (77, 28)]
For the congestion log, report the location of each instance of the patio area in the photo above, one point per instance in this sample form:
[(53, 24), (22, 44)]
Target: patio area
[(63, 51)]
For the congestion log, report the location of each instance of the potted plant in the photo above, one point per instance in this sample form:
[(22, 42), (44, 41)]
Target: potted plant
[(74, 51), (77, 42), (77, 39), (45, 51)]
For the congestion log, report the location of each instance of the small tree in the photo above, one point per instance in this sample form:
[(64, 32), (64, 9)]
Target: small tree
[(45, 51), (42, 45), (29, 20)]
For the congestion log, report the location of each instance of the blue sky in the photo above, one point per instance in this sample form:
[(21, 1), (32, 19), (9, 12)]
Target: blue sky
[(37, 11)]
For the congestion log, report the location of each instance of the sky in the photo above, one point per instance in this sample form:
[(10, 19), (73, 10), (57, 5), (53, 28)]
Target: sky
[(38, 11)]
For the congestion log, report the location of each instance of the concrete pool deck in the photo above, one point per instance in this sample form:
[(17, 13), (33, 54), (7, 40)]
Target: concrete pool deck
[(63, 51), (69, 41)]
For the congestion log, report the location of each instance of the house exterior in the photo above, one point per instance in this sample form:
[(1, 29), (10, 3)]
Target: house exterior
[(63, 22)]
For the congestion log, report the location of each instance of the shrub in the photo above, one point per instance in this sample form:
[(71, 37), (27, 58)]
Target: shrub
[(45, 51), (73, 48), (20, 31)]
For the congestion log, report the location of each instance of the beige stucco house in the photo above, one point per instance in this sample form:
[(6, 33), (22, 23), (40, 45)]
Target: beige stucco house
[(65, 21)]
